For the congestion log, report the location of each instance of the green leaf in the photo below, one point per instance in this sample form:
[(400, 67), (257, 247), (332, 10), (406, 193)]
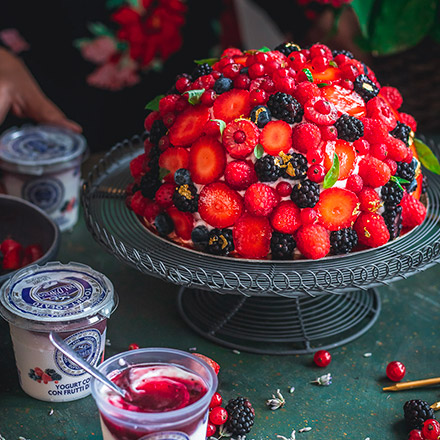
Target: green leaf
[(398, 181), (363, 10), (258, 151), (194, 95), (100, 30), (332, 175), (221, 124), (333, 63), (264, 49), (321, 85), (154, 103), (163, 172), (210, 61), (427, 157), (308, 74)]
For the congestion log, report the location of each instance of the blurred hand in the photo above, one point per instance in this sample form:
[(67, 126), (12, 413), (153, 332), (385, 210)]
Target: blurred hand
[(20, 93)]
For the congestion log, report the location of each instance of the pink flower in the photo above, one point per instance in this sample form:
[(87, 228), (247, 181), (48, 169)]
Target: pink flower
[(113, 76), (99, 51), (12, 38)]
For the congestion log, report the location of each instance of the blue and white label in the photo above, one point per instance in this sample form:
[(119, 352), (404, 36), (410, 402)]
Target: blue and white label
[(168, 435), (87, 344), (46, 193)]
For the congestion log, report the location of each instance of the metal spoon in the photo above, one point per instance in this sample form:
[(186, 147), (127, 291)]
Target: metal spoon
[(74, 357)]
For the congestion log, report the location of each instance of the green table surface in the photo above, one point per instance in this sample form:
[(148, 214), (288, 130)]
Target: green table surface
[(354, 407)]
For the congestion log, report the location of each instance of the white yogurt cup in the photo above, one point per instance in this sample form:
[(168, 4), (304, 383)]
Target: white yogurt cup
[(73, 300), (42, 164)]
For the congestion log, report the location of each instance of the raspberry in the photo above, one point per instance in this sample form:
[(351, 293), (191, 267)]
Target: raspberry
[(285, 217), (371, 229), (413, 211), (375, 131), (379, 151), (137, 166), (313, 241), (151, 117), (392, 164), (305, 136), (260, 199), (355, 183), (374, 172), (397, 150), (252, 236), (361, 146), (240, 174), (369, 200), (320, 111), (392, 95), (305, 91), (168, 104), (408, 120), (164, 195), (377, 108)]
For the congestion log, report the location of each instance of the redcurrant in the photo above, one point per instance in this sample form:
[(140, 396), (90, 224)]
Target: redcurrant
[(133, 346), (210, 430), (361, 146), (322, 358), (284, 189), (395, 371), (431, 429), (316, 173), (416, 434), (218, 416), (242, 82), (216, 400), (315, 156)]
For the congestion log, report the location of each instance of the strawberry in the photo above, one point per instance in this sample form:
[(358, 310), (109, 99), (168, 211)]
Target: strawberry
[(9, 244), (188, 126), (232, 105), (374, 172), (346, 155), (207, 160), (371, 229), (305, 137), (183, 222), (345, 100), (213, 364), (286, 217), (413, 211), (240, 138), (164, 195), (276, 137), (320, 111), (12, 259), (369, 200), (377, 108), (219, 205), (172, 159), (313, 241), (252, 236), (260, 199), (337, 208), (240, 174), (137, 166)]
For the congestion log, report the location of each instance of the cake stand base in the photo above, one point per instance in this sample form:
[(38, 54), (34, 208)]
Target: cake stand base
[(277, 325)]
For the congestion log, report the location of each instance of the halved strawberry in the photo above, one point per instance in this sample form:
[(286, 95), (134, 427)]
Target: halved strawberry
[(183, 222), (219, 205), (346, 155), (172, 159), (232, 105), (215, 366), (328, 75), (188, 126), (252, 236), (346, 101), (240, 138), (275, 137), (337, 208), (164, 195), (207, 160)]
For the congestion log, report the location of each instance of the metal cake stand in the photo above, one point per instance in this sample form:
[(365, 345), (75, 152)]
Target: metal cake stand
[(259, 306)]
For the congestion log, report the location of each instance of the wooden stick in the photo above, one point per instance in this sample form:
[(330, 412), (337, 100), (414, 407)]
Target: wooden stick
[(413, 384)]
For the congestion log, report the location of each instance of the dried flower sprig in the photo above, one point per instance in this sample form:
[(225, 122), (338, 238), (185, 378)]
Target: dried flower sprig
[(324, 380), (292, 436), (276, 402), (306, 429)]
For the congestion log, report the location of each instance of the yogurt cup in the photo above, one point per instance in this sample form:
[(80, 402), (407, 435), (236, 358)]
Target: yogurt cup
[(42, 164), (71, 299), (174, 420)]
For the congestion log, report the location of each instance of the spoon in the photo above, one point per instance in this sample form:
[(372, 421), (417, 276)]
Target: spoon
[(78, 360)]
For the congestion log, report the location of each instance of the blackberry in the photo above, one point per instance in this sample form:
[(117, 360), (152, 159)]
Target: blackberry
[(222, 85), (149, 184), (391, 194), (392, 216), (282, 246), (260, 115), (241, 416), (220, 242), (164, 223), (287, 48), (416, 412), (158, 129), (200, 237), (305, 194), (154, 157), (365, 87), (267, 169), (182, 176), (185, 198), (294, 166), (401, 131), (200, 70), (347, 53), (405, 171), (343, 241), (285, 107), (349, 128)]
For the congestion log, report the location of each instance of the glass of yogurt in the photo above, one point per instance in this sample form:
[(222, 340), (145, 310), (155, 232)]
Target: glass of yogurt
[(42, 164), (71, 299), (169, 394)]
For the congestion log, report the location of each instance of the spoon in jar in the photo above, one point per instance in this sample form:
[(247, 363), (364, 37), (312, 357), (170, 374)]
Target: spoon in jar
[(78, 360)]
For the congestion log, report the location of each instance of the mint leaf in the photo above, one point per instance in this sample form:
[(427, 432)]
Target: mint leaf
[(398, 181), (210, 61), (264, 49), (427, 157), (221, 124), (308, 74), (194, 95), (332, 175), (321, 85), (163, 172), (333, 63), (154, 103), (100, 30), (258, 151)]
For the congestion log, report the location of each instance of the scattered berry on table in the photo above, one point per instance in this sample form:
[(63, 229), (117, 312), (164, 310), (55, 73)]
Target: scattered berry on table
[(210, 430), (416, 412), (431, 429), (416, 434), (218, 415), (216, 400), (241, 416), (133, 346), (396, 371), (322, 358)]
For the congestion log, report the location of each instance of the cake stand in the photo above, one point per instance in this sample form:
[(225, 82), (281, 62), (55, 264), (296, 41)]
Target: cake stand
[(259, 306)]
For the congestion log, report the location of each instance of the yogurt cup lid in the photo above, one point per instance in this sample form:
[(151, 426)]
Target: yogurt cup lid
[(40, 145), (56, 293)]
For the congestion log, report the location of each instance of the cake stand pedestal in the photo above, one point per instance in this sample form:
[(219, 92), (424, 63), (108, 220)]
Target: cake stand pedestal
[(260, 306)]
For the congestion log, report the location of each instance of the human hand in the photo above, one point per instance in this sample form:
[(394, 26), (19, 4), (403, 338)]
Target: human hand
[(20, 93)]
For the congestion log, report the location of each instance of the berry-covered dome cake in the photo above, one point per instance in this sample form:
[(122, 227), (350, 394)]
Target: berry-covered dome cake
[(279, 154)]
